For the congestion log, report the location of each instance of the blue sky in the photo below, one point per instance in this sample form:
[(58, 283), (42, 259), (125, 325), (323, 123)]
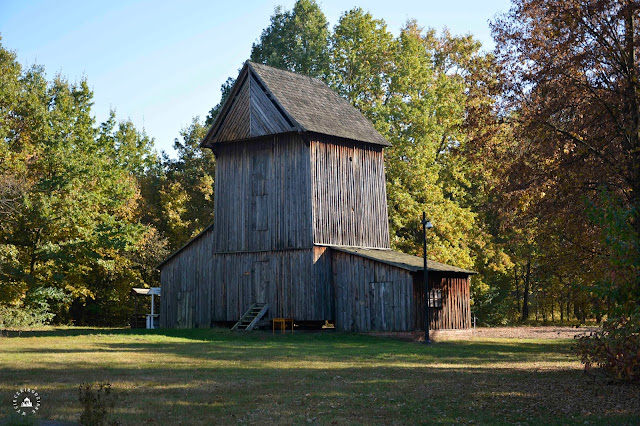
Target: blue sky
[(161, 63)]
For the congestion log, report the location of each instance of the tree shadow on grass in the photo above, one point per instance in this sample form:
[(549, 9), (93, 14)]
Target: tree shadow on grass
[(228, 392), (215, 376), (225, 345)]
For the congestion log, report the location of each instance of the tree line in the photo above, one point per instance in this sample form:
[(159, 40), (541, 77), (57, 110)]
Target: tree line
[(87, 210), (525, 158)]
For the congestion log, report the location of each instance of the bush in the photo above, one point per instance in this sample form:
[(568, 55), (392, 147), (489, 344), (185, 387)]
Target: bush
[(20, 318), (615, 349), (97, 401)]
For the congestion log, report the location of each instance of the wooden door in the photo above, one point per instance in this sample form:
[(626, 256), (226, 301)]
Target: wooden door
[(261, 281), (184, 309)]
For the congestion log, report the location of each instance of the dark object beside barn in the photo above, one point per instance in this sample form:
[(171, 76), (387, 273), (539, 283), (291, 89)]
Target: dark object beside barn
[(301, 221)]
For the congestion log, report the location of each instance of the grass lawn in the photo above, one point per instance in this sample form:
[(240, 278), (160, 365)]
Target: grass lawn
[(215, 376)]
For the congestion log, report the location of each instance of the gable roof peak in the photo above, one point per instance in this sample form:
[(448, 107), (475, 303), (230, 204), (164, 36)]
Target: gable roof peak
[(267, 100)]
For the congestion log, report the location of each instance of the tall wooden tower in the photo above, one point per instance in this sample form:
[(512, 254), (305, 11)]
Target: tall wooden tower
[(299, 173)]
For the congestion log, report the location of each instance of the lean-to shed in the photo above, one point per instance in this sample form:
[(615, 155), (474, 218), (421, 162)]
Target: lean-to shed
[(301, 221)]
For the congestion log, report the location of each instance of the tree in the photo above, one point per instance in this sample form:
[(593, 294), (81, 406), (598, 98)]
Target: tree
[(75, 218), (296, 40), (184, 206), (572, 88), (362, 52), (128, 148)]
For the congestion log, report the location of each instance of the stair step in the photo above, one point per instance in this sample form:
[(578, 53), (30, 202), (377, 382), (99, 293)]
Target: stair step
[(251, 317)]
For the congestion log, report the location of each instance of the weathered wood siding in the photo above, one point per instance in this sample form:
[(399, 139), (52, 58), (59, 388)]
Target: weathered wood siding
[(371, 295), (186, 285), (349, 194), (250, 112), (199, 287), (236, 125), (263, 195), (359, 294), (265, 117), (292, 282), (456, 301)]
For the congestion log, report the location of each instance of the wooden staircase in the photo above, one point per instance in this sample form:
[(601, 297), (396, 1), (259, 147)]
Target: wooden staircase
[(251, 317)]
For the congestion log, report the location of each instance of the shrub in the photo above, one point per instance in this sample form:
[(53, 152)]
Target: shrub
[(97, 402), (35, 310), (615, 349), (20, 318)]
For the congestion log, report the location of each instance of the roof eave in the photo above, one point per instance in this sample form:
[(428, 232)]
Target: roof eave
[(184, 246), (206, 141), (412, 268)]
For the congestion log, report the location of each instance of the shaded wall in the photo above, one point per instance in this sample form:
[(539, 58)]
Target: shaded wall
[(262, 195), (371, 295), (359, 294), (455, 312), (289, 281), (186, 283), (199, 287)]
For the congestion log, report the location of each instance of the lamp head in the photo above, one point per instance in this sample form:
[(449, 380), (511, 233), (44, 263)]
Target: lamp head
[(426, 222)]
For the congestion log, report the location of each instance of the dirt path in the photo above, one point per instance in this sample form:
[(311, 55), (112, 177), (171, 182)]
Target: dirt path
[(523, 332), (532, 332)]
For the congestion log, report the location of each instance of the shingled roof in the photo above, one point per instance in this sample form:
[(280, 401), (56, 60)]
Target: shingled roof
[(400, 260), (267, 100)]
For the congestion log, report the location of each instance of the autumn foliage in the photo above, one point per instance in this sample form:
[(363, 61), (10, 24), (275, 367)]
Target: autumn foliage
[(527, 159), (616, 348)]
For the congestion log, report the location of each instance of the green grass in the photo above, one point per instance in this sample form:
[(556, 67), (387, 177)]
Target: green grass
[(214, 376)]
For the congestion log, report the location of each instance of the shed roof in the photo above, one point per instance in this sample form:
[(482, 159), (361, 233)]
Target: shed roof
[(267, 100), (400, 260), (155, 291)]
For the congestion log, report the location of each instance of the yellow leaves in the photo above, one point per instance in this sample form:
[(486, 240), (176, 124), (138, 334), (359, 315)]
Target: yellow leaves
[(569, 147), (78, 291), (174, 201), (129, 208), (205, 186)]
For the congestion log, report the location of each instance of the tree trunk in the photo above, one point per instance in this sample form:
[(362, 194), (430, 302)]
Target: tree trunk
[(515, 276), (525, 296)]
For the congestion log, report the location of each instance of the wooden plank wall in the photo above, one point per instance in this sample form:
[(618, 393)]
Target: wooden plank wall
[(199, 287), (251, 113), (317, 284), (292, 282), (455, 313), (265, 117), (186, 290), (236, 122), (349, 194), (262, 197), (371, 295)]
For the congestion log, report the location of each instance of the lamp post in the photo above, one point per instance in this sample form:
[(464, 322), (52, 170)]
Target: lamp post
[(426, 224)]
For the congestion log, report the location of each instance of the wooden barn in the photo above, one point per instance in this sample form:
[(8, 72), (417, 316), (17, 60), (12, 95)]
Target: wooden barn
[(301, 223)]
